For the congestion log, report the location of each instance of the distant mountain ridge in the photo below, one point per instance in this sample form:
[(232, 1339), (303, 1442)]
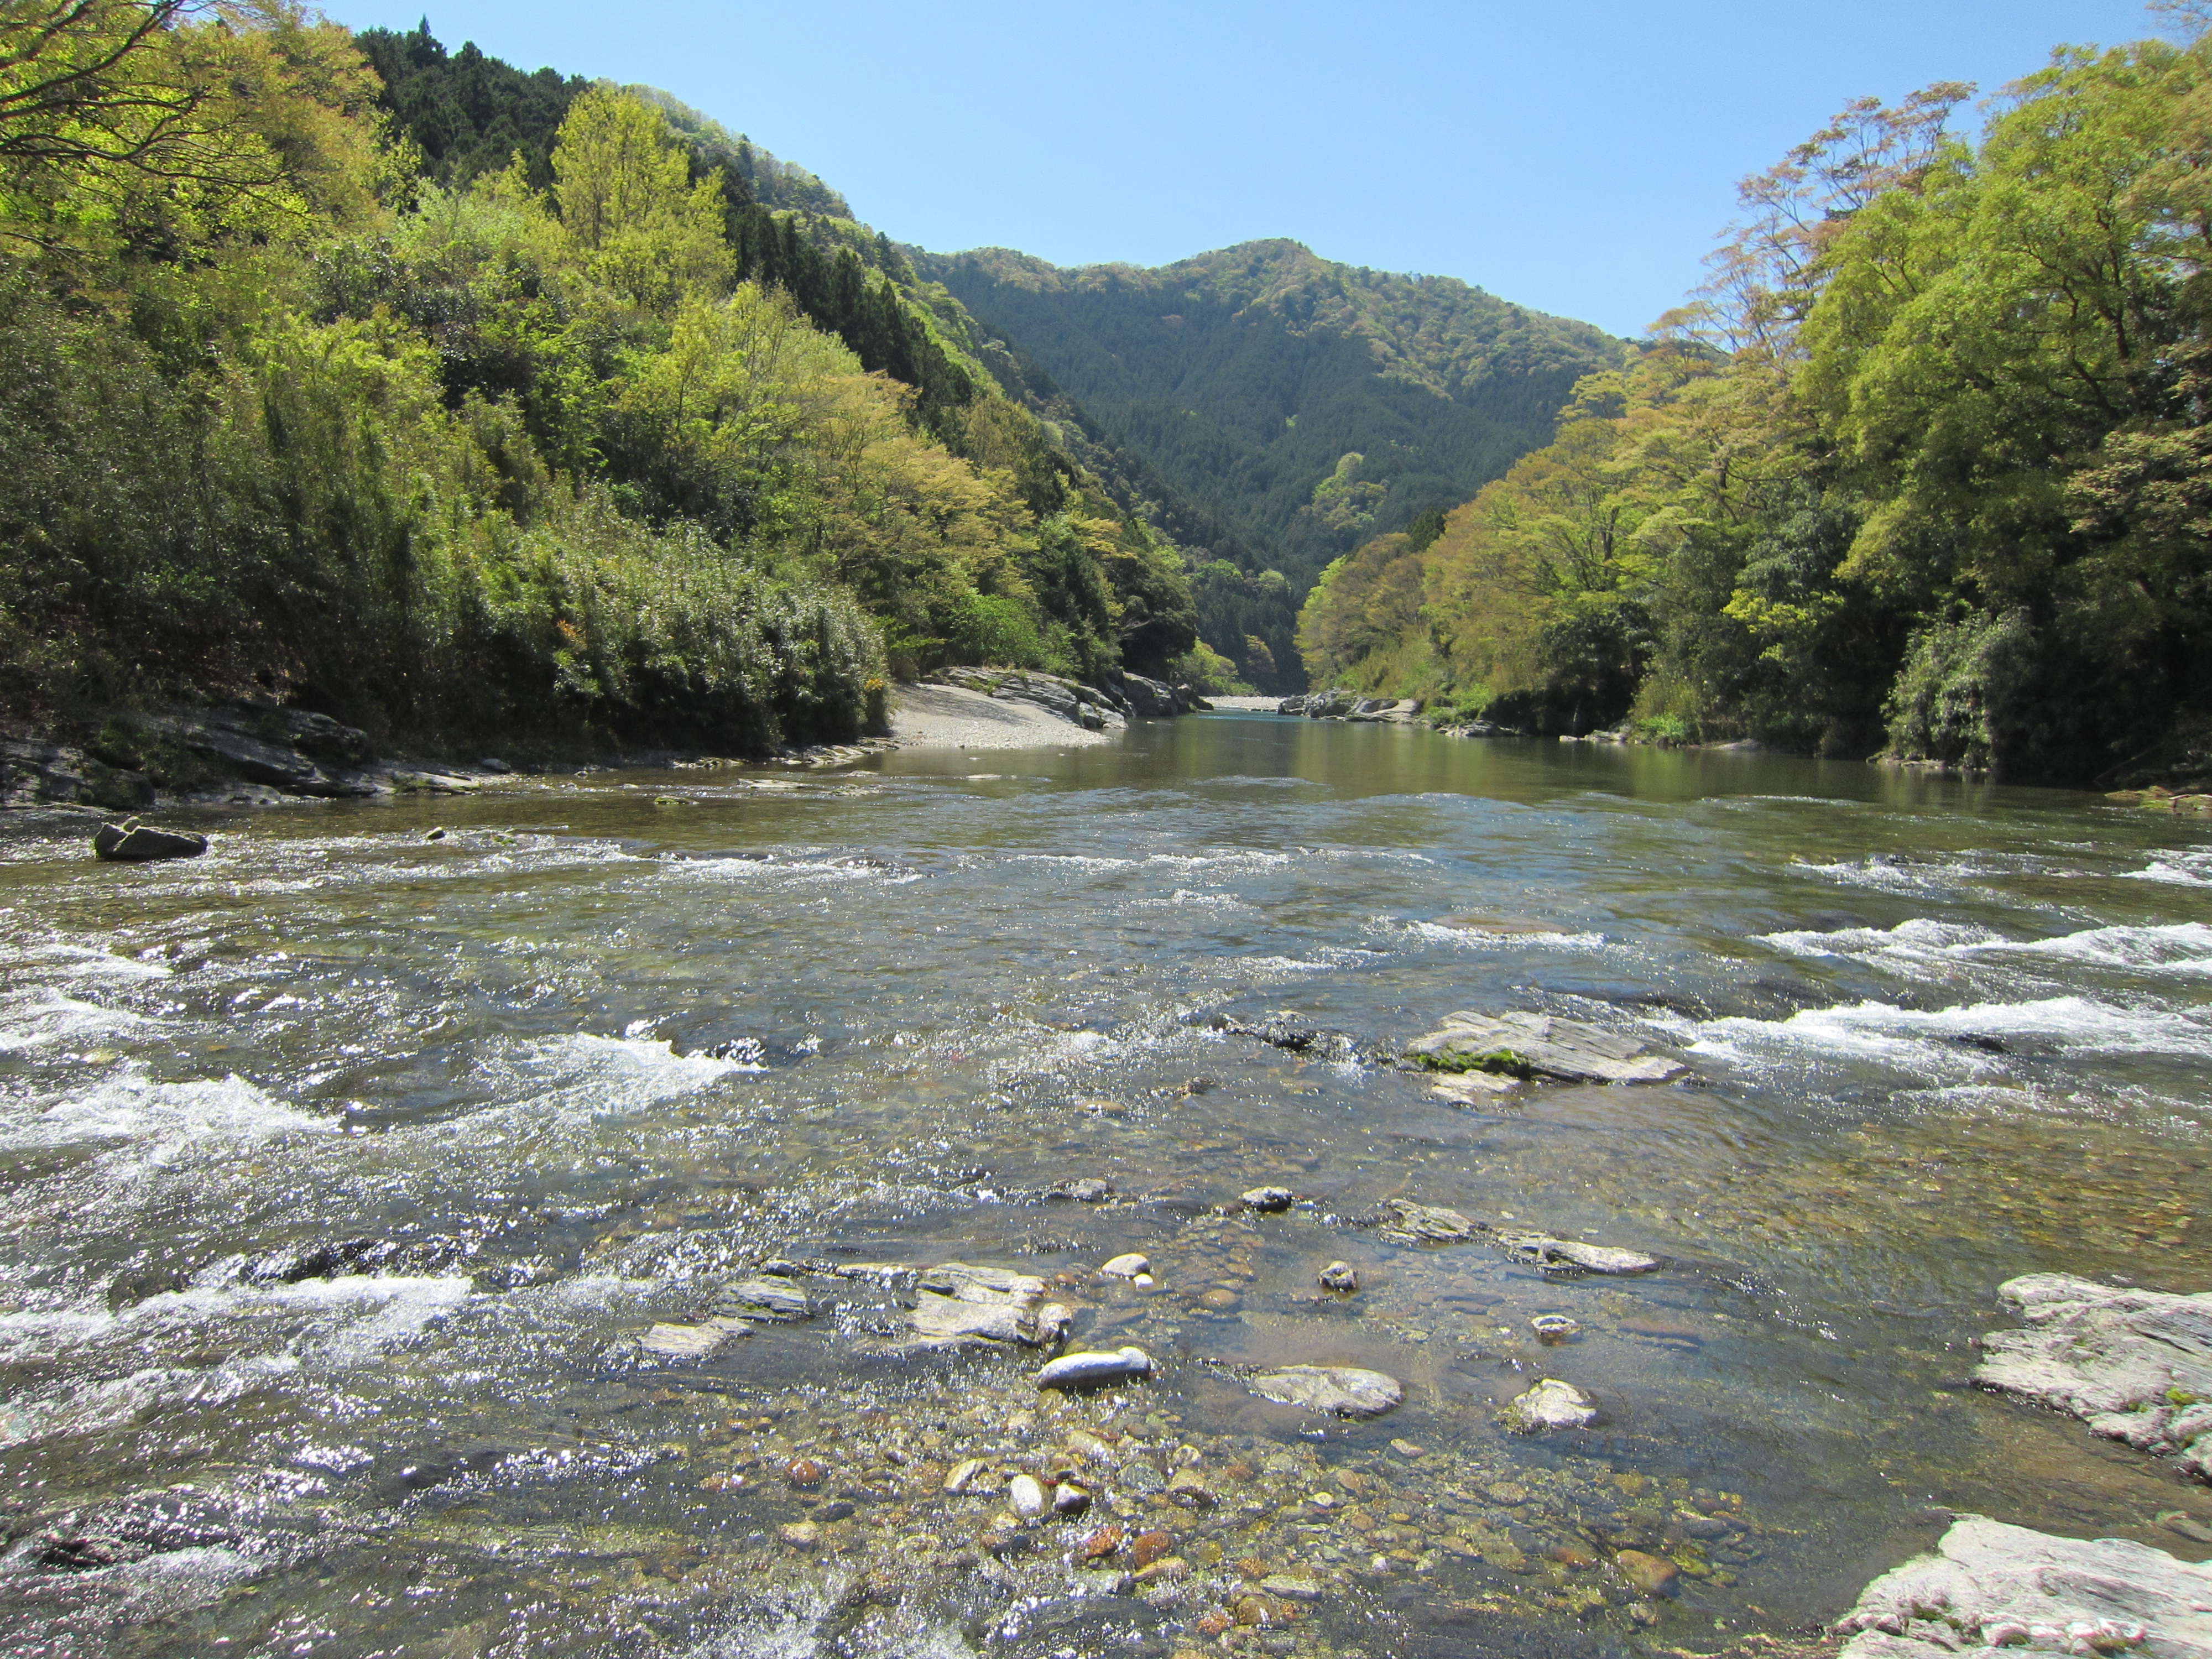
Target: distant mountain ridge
[(1245, 376)]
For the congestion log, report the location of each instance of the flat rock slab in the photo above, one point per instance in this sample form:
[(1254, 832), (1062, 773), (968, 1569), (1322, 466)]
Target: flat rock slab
[(763, 1298), (1988, 1587), (1430, 1223), (1549, 1404), (949, 1319), (1572, 1255), (1338, 1390), (994, 1285), (2135, 1365), (701, 1342), (132, 843), (1538, 1046)]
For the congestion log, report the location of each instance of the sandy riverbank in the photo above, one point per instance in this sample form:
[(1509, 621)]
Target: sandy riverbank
[(947, 717)]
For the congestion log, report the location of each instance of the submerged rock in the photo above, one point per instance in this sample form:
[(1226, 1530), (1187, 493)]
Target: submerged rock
[(1569, 1255), (135, 843), (1088, 1190), (968, 1283), (1125, 1267), (1341, 1277), (1338, 1390), (2136, 1364), (1268, 1200), (701, 1342), (1539, 1046), (763, 1298), (1553, 1328), (1092, 1370), (948, 1319), (1293, 1039), (1988, 1586), (1549, 1404)]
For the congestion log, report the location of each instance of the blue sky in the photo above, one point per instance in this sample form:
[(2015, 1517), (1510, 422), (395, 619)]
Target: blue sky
[(1577, 159)]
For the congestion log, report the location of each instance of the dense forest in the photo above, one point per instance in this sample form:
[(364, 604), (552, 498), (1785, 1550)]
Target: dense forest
[(1291, 406), (453, 400), (1926, 469)]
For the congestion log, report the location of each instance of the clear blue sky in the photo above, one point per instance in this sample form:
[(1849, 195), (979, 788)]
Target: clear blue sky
[(1574, 158)]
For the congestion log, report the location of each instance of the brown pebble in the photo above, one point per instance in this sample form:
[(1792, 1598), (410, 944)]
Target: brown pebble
[(1253, 1568), (1149, 1547), (1101, 1544), (1568, 1556), (803, 1471), (1213, 1623), (1651, 1574), (1220, 1299)]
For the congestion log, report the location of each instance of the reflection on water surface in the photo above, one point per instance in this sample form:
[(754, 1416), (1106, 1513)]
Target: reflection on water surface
[(345, 1169)]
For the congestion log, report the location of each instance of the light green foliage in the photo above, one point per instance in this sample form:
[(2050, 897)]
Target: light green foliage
[(1927, 462)]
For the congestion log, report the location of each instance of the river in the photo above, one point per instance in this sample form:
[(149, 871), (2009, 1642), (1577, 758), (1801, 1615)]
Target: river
[(345, 1168)]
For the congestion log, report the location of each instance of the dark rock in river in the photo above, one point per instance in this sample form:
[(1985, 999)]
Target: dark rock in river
[(1294, 1039), (133, 844), (2136, 1366), (1430, 1223), (1539, 1046), (763, 1298)]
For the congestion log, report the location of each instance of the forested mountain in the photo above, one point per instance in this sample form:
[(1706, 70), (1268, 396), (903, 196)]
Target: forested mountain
[(472, 402), (1926, 468), (1289, 407)]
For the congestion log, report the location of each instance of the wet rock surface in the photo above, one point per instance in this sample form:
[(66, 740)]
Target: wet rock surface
[(1988, 1587), (1539, 1046), (136, 843), (1338, 1390), (1550, 1406), (2135, 1365)]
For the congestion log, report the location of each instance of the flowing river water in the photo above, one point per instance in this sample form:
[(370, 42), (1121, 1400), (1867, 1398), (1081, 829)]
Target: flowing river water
[(344, 1168)]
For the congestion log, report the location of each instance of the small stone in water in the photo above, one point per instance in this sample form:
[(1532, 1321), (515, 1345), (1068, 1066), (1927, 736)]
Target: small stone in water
[(801, 1534), (1150, 1547), (1220, 1300), (2194, 1530), (1101, 1544), (1407, 1448), (1340, 1391), (803, 1471), (964, 1474), (1549, 1404), (1088, 1190), (1070, 1498), (1077, 1371), (1269, 1201), (1142, 1281), (1188, 1487), (1651, 1574), (1339, 1276), (1027, 1495), (1553, 1328), (435, 835), (1125, 1267)]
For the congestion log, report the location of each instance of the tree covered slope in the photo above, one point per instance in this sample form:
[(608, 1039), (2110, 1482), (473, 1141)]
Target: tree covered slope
[(1246, 378)]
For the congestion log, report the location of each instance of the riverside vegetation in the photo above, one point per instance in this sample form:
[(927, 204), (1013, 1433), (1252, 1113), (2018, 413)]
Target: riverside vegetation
[(1923, 469), (454, 402)]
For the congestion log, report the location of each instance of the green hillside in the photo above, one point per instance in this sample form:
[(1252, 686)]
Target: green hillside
[(1291, 407)]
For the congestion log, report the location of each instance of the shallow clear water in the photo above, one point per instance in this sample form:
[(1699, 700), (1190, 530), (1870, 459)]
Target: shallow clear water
[(1941, 1035)]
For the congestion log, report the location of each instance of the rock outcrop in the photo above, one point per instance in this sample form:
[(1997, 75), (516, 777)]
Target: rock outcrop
[(1538, 1046), (1096, 709), (2135, 1365), (1351, 706), (1988, 1587)]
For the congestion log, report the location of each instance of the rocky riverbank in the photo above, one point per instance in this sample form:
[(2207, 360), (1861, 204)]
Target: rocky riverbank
[(250, 754)]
